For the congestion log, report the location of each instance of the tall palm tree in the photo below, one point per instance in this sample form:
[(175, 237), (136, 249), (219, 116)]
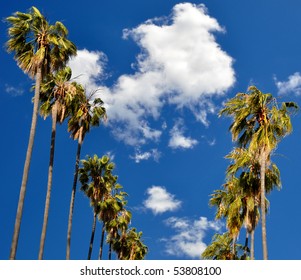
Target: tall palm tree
[(230, 205), (259, 124), (245, 165), (239, 199), (38, 48), (115, 218), (96, 179), (57, 93), (85, 113)]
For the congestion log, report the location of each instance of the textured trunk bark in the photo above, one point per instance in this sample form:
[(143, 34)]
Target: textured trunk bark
[(101, 241), (92, 236), (71, 208), (246, 245), (233, 249), (110, 251), (49, 184), (252, 246), (15, 239), (262, 202)]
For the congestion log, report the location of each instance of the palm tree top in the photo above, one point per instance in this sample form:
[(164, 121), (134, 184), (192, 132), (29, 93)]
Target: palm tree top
[(85, 114), (35, 42), (258, 119)]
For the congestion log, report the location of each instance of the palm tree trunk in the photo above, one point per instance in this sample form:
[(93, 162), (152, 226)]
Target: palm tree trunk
[(233, 248), (110, 251), (49, 184), (132, 254), (92, 236), (71, 208), (252, 245), (262, 202), (246, 245), (101, 241), (15, 239)]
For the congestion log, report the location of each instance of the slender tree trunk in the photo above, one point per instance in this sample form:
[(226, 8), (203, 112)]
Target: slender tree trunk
[(233, 248), (246, 245), (110, 251), (252, 246), (15, 239), (49, 183), (262, 202), (132, 254), (71, 208), (101, 241), (92, 236)]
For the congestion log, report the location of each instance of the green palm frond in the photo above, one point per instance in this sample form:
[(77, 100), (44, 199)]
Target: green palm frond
[(36, 43)]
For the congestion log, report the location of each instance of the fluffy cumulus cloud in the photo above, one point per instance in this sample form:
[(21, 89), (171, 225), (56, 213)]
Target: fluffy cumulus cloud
[(178, 140), (160, 200), (88, 68), (180, 64), (292, 85), (188, 239)]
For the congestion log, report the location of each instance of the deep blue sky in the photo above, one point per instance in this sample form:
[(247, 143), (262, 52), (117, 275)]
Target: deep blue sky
[(170, 159)]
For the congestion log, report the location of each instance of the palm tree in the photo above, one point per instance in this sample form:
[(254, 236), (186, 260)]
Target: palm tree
[(259, 124), (57, 93), (245, 165), (130, 246), (230, 205), (96, 180), (239, 199), (84, 114), (39, 48), (115, 218), (221, 248)]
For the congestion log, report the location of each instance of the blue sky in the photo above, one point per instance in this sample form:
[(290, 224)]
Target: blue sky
[(164, 69)]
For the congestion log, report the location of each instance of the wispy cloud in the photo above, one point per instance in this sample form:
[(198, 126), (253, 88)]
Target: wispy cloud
[(14, 91), (210, 142), (188, 239), (160, 200), (180, 64), (111, 155), (151, 154), (177, 138), (292, 85)]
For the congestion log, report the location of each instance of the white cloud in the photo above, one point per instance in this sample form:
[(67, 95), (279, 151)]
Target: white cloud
[(293, 84), (188, 239), (178, 140), (139, 156), (160, 200), (180, 64), (14, 91), (111, 155), (210, 142), (88, 68)]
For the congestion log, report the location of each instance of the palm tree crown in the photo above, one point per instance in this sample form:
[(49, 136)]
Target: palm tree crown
[(36, 43)]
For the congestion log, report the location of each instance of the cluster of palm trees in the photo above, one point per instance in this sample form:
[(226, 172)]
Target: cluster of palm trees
[(259, 124), (42, 50), (108, 202)]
